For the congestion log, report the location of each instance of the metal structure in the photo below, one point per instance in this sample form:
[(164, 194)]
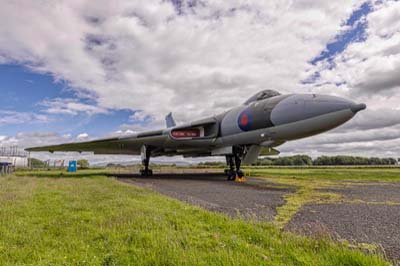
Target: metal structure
[(14, 157)]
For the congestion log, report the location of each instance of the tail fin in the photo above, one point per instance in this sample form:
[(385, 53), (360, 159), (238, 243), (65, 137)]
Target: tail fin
[(170, 120)]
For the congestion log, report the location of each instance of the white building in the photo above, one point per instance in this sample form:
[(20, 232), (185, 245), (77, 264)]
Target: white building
[(15, 161)]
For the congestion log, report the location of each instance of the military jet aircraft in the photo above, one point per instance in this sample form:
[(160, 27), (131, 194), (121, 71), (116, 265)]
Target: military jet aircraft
[(241, 134)]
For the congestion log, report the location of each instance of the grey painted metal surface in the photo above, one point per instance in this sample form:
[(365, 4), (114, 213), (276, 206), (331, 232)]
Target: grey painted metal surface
[(303, 106)]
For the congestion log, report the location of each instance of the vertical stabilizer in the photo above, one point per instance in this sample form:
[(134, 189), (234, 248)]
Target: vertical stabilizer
[(170, 120)]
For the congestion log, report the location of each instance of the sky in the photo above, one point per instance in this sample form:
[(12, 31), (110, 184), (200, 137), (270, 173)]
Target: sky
[(79, 70)]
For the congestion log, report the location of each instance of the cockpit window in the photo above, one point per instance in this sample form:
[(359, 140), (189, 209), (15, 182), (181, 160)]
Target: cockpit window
[(262, 95)]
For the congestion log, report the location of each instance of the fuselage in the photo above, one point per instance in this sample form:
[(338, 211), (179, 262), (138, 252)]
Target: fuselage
[(272, 120), (285, 117)]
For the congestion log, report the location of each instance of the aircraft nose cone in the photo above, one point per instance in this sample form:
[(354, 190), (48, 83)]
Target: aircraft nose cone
[(355, 108), (305, 106)]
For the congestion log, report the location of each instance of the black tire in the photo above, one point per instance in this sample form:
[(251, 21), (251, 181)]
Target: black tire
[(231, 175), (146, 173)]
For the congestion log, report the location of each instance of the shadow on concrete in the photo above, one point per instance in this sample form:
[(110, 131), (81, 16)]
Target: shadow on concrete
[(253, 199), (167, 179), (173, 176)]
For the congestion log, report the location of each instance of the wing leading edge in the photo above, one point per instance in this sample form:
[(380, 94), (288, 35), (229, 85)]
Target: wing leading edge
[(123, 145)]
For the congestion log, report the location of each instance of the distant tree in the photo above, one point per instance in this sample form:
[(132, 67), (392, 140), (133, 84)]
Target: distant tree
[(264, 161), (322, 160), (301, 160), (392, 161), (351, 160), (374, 161), (304, 160), (83, 164)]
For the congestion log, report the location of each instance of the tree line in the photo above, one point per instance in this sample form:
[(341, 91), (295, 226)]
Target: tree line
[(326, 160), (305, 160)]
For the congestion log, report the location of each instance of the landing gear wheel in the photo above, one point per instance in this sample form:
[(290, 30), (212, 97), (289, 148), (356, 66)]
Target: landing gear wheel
[(231, 175), (144, 172), (240, 176), (231, 171), (238, 153), (240, 173)]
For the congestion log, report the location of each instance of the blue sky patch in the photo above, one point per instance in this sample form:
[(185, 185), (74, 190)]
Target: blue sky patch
[(355, 34), (22, 109), (22, 89)]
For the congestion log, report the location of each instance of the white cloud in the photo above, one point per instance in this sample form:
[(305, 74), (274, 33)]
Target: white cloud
[(13, 117), (140, 117), (370, 69), (71, 107), (373, 119), (82, 136), (33, 139), (314, 148)]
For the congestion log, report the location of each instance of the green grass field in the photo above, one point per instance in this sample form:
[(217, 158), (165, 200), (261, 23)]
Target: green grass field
[(49, 218)]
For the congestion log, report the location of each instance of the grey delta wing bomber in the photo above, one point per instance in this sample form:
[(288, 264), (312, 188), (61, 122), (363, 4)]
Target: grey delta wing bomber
[(241, 134)]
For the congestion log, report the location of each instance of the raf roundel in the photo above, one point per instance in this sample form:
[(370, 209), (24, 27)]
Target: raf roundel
[(244, 121)]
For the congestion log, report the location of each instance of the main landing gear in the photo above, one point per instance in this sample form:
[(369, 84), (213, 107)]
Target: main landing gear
[(146, 153), (234, 160)]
